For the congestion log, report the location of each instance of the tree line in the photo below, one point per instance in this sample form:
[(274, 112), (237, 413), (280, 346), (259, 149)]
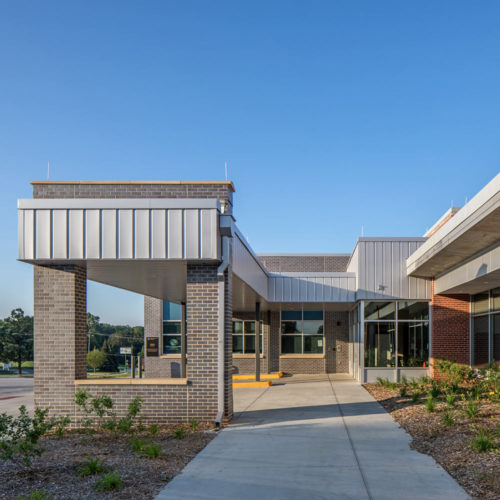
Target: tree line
[(16, 339)]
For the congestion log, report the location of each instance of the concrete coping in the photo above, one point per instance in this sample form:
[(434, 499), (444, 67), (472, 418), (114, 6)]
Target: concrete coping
[(132, 381)]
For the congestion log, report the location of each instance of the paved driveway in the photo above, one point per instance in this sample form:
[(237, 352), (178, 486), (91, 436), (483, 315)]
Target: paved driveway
[(326, 439), (14, 392)]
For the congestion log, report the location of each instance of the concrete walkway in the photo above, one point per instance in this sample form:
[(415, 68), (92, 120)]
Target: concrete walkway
[(324, 439)]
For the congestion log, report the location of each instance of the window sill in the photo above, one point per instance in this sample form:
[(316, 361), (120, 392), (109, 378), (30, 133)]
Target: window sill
[(171, 356), (299, 356), (132, 381), (246, 356)]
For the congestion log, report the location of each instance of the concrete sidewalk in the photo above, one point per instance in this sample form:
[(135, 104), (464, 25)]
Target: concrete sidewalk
[(313, 440)]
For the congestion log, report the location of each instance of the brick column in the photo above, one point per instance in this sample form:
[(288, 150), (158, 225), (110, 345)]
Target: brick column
[(60, 335), (450, 332), (202, 296)]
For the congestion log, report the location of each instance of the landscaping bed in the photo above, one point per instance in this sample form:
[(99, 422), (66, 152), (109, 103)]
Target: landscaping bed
[(57, 472), (454, 422)]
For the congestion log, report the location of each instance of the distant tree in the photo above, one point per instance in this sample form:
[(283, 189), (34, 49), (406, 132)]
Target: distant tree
[(111, 364), (16, 338), (95, 359)]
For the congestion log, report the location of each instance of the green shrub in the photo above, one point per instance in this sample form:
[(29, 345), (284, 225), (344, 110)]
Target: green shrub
[(179, 433), (448, 418), (435, 390), (451, 398), (37, 495), (151, 451), (404, 380), (383, 382), (430, 404), (109, 482), (193, 424), (403, 391), (415, 397), (153, 429), (137, 444), (484, 440), (101, 406), (61, 425), (126, 424), (393, 386), (19, 435), (472, 409), (91, 467)]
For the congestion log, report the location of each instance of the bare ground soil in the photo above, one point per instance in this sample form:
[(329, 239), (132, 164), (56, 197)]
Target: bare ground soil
[(450, 446), (56, 471)]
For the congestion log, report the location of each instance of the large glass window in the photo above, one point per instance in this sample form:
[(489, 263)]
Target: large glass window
[(481, 341), (379, 310), (413, 344), (172, 338), (244, 337), (480, 303), (379, 344), (405, 337), (302, 332), (496, 337)]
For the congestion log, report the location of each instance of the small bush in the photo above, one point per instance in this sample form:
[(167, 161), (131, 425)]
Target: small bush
[(404, 380), (415, 397), (383, 382), (448, 418), (430, 404), (403, 391), (193, 424), (137, 444), (109, 482), (484, 440), (393, 386), (19, 435), (179, 433), (435, 390), (472, 409), (450, 399), (91, 467), (61, 425), (153, 429), (151, 451)]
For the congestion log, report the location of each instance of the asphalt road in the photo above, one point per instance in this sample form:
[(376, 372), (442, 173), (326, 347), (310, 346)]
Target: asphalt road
[(14, 392)]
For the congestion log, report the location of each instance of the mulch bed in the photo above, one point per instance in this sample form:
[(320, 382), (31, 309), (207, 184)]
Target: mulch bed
[(55, 472), (478, 473)]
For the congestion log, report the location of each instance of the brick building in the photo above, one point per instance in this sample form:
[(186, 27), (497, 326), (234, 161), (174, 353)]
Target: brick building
[(387, 309)]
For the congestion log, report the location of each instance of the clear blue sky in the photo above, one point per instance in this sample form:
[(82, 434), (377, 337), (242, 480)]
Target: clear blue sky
[(331, 115)]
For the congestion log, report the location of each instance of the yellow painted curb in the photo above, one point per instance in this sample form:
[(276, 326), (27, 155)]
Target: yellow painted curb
[(263, 376), (265, 383)]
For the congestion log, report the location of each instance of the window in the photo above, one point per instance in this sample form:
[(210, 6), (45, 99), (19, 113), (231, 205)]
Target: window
[(302, 332), (379, 344), (172, 338), (486, 327), (405, 338), (244, 337)]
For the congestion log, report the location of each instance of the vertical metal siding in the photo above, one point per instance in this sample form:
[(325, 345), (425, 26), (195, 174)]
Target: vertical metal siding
[(59, 234), (382, 271), (141, 234), (43, 234), (76, 234)]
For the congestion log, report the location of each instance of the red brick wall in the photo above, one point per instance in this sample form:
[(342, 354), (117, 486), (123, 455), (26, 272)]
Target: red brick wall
[(450, 333)]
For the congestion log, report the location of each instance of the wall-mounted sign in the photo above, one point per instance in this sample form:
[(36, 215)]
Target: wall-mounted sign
[(125, 350), (152, 346)]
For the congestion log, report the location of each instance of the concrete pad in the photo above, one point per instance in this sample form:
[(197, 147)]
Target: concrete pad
[(311, 439)]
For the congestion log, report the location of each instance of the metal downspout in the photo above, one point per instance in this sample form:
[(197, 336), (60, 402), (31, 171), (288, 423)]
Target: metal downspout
[(221, 325)]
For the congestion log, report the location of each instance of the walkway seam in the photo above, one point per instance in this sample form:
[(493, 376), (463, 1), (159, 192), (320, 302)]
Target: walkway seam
[(365, 482)]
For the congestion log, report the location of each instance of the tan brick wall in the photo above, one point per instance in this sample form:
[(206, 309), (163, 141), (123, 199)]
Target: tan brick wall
[(60, 335), (55, 190), (305, 263)]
